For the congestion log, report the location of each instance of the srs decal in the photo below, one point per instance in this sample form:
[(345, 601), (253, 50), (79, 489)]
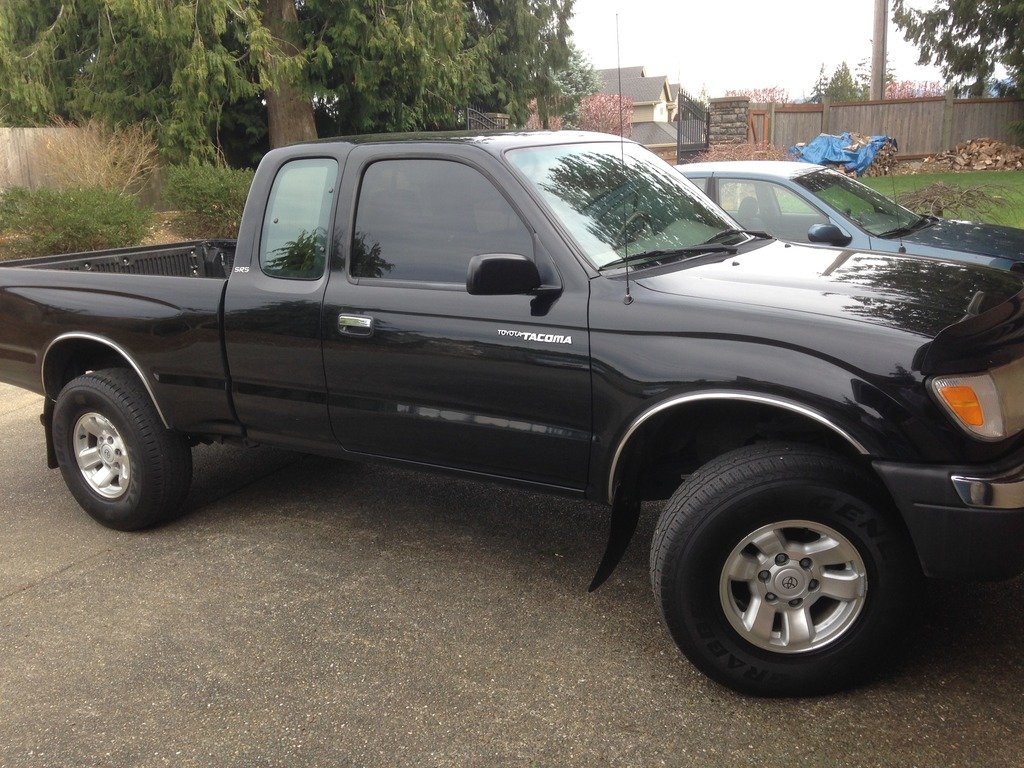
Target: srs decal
[(547, 338)]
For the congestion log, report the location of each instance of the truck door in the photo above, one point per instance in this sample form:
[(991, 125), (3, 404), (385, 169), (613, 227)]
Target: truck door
[(420, 370), (274, 297)]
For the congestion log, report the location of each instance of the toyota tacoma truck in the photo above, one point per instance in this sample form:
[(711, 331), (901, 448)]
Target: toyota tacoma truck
[(565, 312)]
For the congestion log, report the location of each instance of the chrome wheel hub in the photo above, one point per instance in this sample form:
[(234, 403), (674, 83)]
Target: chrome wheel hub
[(102, 455), (793, 586)]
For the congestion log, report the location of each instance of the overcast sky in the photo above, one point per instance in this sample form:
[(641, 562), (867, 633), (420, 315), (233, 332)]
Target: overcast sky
[(732, 44)]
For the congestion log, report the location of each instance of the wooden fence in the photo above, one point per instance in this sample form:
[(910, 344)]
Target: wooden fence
[(921, 126), (21, 150)]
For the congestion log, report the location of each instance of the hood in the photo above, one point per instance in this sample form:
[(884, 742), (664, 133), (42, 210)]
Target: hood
[(914, 295), (984, 239)]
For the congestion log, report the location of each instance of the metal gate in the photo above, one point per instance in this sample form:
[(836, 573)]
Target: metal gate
[(693, 126), (474, 119)]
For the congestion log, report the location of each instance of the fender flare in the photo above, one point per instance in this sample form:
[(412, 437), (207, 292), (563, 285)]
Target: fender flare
[(116, 348), (621, 496), (691, 397)]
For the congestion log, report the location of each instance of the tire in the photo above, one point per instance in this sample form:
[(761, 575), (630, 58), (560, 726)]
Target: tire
[(134, 473), (827, 538)]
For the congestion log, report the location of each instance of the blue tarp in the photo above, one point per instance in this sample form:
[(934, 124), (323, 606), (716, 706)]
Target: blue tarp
[(834, 149)]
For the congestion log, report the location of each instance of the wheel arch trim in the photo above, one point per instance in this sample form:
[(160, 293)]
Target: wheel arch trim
[(114, 346), (749, 397)]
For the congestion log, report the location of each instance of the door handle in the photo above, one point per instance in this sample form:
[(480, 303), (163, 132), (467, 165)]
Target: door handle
[(355, 325)]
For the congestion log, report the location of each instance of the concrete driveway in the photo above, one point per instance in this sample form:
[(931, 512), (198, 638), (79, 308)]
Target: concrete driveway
[(313, 612)]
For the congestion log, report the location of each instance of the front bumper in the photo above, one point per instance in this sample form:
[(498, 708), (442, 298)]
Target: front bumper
[(966, 523)]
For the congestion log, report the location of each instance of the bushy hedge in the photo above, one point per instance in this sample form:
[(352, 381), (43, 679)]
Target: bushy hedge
[(211, 196), (50, 221)]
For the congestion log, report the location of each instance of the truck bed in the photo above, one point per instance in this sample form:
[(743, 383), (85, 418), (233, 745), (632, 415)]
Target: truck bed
[(193, 258), (156, 309)]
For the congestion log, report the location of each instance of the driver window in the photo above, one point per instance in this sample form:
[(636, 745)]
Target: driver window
[(423, 220)]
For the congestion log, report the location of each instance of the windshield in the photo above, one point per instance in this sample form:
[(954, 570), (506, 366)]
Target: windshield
[(877, 214), (620, 200)]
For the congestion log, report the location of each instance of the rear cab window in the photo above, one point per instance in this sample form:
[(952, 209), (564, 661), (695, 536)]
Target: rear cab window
[(294, 238)]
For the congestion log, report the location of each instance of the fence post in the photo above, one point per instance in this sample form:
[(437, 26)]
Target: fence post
[(826, 104), (947, 120), (771, 124)]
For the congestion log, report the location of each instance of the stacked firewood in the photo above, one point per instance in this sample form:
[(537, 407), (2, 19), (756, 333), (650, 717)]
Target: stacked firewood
[(978, 155), (885, 162)]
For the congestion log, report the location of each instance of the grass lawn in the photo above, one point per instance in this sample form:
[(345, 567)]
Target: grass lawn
[(1008, 186)]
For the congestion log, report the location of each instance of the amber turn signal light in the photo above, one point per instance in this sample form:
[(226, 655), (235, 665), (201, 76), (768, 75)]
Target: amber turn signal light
[(963, 401)]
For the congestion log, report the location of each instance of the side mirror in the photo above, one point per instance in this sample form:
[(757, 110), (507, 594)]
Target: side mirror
[(829, 234), (501, 274)]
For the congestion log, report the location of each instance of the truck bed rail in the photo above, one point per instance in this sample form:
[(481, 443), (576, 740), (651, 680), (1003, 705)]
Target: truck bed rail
[(196, 258)]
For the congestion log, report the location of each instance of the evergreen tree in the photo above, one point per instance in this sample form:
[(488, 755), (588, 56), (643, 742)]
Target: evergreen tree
[(172, 65), (842, 87), (818, 91), (575, 81), (523, 44), (180, 65), (388, 66), (967, 38)]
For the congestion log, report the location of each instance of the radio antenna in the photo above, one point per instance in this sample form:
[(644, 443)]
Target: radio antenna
[(892, 180), (628, 298)]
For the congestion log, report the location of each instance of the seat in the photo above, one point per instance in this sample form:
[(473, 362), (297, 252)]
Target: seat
[(747, 213)]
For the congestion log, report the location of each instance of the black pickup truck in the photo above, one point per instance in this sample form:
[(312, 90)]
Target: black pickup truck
[(566, 312)]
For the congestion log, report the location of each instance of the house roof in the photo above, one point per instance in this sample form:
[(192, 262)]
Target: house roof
[(610, 77), (653, 134), (636, 85)]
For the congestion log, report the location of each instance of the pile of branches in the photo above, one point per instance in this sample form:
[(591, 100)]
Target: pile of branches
[(977, 155), (745, 151), (938, 199)]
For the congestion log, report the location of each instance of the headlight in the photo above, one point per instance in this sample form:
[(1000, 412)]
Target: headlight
[(989, 405)]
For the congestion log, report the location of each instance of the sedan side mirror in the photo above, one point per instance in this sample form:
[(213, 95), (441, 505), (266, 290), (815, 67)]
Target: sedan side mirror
[(501, 274), (829, 234)]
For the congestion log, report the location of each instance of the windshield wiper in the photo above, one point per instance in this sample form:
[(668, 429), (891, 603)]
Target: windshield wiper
[(921, 223), (688, 250), (757, 234), (711, 245)]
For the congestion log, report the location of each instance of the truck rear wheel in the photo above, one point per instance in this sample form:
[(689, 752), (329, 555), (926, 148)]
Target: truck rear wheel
[(119, 462), (782, 570)]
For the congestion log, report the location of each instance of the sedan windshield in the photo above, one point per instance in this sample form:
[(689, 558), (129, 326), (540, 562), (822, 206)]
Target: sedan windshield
[(875, 213), (622, 202)]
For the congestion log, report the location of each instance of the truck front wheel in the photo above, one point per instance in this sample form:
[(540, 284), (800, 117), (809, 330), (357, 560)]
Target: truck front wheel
[(782, 570), (119, 462)]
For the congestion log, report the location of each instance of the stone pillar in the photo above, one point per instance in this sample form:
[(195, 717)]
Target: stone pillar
[(729, 120)]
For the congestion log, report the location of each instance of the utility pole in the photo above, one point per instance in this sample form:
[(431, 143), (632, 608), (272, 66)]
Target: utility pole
[(878, 49)]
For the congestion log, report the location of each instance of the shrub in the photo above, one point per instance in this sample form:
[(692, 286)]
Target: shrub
[(92, 155), (212, 196), (45, 221)]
